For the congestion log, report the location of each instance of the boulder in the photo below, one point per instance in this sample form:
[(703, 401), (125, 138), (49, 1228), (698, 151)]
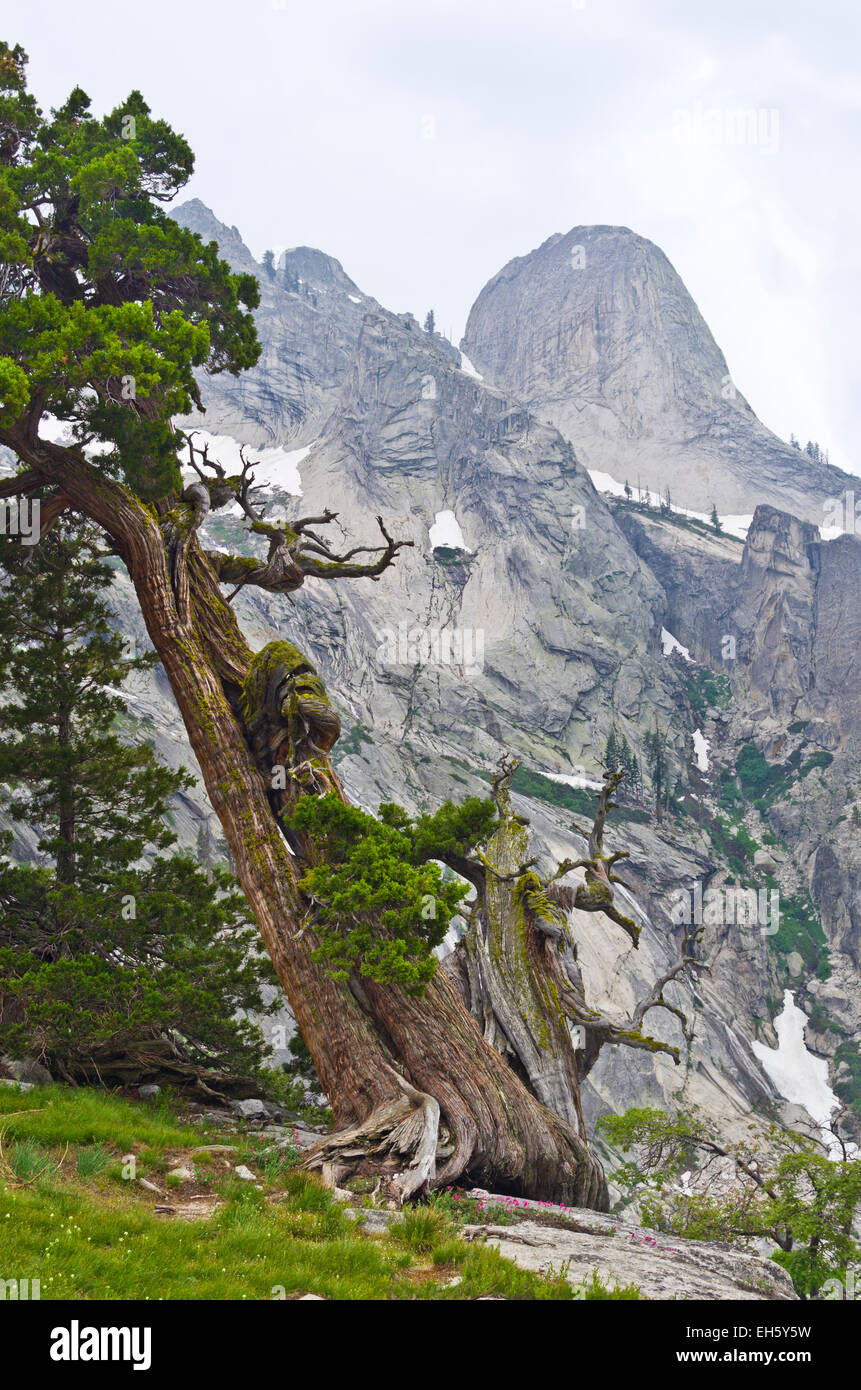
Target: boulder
[(27, 1069), (184, 1172), (661, 1266), (374, 1220), (250, 1109)]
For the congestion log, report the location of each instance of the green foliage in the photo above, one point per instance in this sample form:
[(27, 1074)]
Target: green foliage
[(730, 796), (352, 742), (804, 1201), (28, 1160), (763, 782), (112, 941), (656, 747), (450, 832), (108, 305), (801, 930), (541, 788), (821, 1023), (705, 689), (91, 1160), (620, 757), (733, 843), (848, 1085), (758, 777), (380, 903), (671, 1139), (817, 1200), (577, 799), (594, 1290), (421, 1229)]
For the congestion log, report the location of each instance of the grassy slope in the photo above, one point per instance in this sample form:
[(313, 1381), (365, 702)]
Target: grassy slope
[(69, 1218)]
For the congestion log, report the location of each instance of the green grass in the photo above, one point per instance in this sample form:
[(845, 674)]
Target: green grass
[(594, 1289), (58, 1115), (27, 1159), (91, 1160), (421, 1229), (72, 1222)]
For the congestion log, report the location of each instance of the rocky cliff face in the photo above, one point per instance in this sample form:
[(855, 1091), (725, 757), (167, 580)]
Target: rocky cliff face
[(534, 630), (780, 619), (595, 332), (309, 322)]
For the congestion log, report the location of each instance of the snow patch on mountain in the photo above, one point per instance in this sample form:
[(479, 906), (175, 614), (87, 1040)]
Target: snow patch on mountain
[(574, 780), (446, 532), (701, 750), (672, 644), (467, 367), (799, 1076)]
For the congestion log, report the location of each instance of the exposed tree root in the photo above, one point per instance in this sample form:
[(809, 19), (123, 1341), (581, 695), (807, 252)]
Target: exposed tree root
[(407, 1126)]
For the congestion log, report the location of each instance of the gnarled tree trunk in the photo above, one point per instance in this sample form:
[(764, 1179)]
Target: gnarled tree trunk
[(410, 1078), (516, 966)]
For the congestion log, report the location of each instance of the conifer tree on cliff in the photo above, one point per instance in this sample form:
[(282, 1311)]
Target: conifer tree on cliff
[(107, 307), (119, 958)]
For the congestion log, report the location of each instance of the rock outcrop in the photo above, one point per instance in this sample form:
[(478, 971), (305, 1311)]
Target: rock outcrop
[(595, 333), (623, 1254)]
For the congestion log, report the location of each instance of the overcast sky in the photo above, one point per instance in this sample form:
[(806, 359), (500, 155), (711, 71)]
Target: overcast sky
[(426, 143)]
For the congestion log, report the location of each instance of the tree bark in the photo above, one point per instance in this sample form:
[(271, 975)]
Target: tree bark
[(395, 1067), (516, 967)]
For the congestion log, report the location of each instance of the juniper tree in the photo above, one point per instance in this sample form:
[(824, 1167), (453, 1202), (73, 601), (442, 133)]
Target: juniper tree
[(107, 310), (102, 955)]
